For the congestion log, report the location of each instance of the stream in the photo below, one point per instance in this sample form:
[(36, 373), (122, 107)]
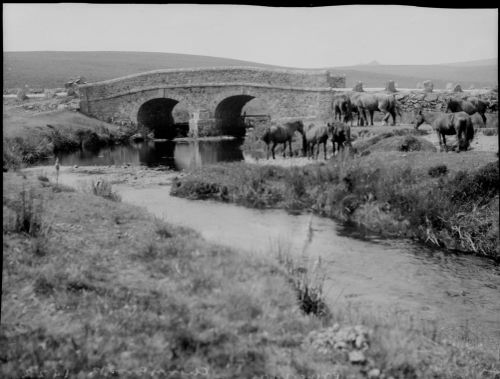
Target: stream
[(458, 293)]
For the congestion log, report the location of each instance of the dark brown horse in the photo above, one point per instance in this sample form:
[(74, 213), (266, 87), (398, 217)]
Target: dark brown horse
[(470, 106), (447, 124), (342, 107), (341, 135), (316, 135), (283, 133), (371, 102)]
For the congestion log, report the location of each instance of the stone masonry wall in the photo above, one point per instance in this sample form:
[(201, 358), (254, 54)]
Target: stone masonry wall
[(206, 76), (436, 101)]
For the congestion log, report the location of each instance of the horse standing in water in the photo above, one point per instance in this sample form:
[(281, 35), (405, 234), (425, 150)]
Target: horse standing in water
[(282, 134), (316, 135), (448, 124)]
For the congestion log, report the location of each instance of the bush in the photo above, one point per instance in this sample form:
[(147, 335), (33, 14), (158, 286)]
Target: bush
[(481, 186), (104, 189), (437, 171), (28, 218)]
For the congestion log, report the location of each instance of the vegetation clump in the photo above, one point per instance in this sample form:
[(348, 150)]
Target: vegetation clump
[(392, 199)]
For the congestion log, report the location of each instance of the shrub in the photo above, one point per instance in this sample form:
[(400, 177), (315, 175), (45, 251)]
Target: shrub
[(104, 189), (437, 171), (490, 131), (28, 217), (482, 185)]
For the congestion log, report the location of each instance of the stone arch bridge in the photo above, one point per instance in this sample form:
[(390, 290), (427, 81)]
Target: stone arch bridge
[(212, 99)]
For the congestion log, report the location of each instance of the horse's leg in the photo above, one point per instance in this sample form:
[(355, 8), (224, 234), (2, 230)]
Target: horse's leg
[(443, 136), (290, 147), (386, 118), (284, 149), (267, 151), (272, 149), (483, 116), (393, 114), (371, 117), (324, 148)]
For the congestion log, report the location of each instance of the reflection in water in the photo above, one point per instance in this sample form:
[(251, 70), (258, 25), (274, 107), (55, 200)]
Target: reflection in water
[(176, 155)]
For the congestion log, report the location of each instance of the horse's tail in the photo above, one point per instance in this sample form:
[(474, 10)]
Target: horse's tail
[(469, 130)]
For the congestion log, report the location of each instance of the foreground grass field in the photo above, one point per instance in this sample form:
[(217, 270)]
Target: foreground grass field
[(448, 200), (97, 288)]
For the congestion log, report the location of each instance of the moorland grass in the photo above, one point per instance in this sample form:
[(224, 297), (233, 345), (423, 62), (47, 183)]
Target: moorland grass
[(118, 292), (387, 192)]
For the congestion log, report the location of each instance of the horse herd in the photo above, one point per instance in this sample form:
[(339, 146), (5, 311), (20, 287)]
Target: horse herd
[(313, 136), (346, 105)]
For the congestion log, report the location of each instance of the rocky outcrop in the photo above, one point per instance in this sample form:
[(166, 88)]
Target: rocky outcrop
[(428, 86), (358, 87), (390, 86)]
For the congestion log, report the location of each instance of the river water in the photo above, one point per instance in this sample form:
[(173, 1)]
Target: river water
[(461, 293), (175, 155)]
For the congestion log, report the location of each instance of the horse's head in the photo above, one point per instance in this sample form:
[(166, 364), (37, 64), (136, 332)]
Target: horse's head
[(419, 119), (299, 126)]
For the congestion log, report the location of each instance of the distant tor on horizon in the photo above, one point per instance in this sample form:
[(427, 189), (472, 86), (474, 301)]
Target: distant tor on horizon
[(51, 69)]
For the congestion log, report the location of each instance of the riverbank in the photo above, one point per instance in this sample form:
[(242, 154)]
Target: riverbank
[(31, 135), (446, 200), (101, 286)]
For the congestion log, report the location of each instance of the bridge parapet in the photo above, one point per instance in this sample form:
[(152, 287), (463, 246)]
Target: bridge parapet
[(200, 77)]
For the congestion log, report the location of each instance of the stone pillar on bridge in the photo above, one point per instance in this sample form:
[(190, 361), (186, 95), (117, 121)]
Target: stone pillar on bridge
[(201, 123)]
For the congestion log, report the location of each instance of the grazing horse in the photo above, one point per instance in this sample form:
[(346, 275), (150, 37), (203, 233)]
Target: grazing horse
[(282, 134), (316, 135), (383, 102), (342, 107), (470, 106), (341, 134), (447, 124)]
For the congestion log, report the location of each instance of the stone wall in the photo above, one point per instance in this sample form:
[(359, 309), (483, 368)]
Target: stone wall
[(436, 101), (206, 76)]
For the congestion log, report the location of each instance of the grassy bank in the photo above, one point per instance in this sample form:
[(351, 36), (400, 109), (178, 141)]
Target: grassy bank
[(92, 285), (30, 137), (447, 200)]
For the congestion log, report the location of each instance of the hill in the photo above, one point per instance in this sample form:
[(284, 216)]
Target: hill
[(483, 74), (49, 69)]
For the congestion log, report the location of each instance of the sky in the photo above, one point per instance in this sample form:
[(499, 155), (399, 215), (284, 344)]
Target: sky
[(308, 37)]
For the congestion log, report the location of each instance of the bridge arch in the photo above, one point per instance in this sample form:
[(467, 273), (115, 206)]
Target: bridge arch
[(158, 116), (227, 115)]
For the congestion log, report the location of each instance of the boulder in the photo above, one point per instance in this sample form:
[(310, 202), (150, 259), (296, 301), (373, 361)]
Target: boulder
[(357, 357), (390, 86), (21, 94), (428, 86), (457, 88), (358, 87)]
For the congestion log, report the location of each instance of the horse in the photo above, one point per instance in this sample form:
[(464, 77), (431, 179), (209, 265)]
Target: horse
[(316, 134), (341, 134), (385, 103), (354, 109), (282, 134), (470, 106), (446, 124), (342, 107)]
